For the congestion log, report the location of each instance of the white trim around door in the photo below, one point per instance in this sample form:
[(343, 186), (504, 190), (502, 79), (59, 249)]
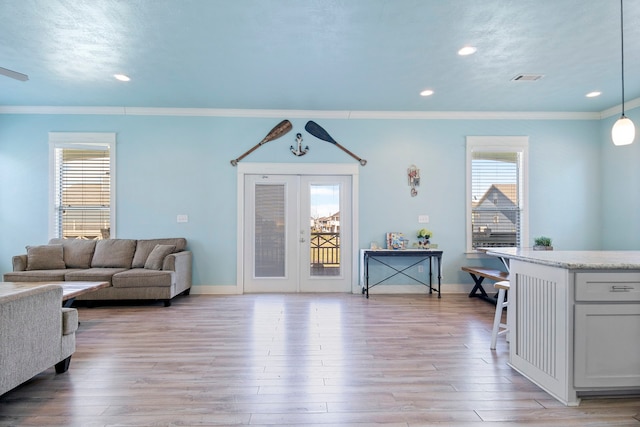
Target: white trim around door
[(296, 169)]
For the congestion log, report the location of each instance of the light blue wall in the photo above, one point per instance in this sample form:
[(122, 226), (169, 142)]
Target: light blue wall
[(621, 189), (180, 165)]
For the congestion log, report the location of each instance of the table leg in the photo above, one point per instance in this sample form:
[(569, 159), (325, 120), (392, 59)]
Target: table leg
[(430, 276), (478, 287), (366, 273), (439, 260)]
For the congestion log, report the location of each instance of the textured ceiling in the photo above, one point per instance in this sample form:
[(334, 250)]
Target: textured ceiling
[(372, 55)]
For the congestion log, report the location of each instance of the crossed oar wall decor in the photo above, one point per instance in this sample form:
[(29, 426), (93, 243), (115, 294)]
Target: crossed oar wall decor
[(285, 126)]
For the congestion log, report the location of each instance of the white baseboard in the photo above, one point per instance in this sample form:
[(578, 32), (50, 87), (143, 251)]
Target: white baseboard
[(215, 290), (449, 288)]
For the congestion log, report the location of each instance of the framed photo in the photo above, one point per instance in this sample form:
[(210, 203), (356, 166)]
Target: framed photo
[(396, 240)]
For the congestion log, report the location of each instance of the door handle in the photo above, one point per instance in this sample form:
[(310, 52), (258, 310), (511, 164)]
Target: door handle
[(621, 288)]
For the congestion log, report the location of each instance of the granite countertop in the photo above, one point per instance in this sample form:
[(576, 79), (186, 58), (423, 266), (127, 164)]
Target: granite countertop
[(573, 260)]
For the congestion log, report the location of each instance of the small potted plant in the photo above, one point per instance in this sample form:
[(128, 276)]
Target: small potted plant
[(542, 243), (423, 237)]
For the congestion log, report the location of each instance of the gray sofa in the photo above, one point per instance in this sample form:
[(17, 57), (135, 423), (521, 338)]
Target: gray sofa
[(153, 269), (36, 333)]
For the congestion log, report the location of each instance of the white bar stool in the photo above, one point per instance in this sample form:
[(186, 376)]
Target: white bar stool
[(501, 303)]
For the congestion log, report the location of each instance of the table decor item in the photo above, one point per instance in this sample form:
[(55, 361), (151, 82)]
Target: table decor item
[(542, 243), (396, 240), (423, 236)]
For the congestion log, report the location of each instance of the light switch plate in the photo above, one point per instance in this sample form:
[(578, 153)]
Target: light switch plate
[(423, 219)]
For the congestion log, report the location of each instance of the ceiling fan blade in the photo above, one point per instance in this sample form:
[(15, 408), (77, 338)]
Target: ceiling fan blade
[(14, 74)]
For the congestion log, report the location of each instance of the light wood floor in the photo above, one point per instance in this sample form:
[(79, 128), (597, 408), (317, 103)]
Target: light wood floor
[(305, 360)]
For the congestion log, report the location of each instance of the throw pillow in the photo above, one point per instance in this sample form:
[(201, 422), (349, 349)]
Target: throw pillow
[(145, 246), (45, 257), (77, 252), (156, 257), (113, 253)]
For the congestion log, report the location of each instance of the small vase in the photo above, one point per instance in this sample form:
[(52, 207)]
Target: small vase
[(542, 248)]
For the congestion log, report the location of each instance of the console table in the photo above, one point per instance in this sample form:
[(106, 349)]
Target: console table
[(420, 255)]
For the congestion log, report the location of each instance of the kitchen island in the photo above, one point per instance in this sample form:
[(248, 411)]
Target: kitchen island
[(574, 320)]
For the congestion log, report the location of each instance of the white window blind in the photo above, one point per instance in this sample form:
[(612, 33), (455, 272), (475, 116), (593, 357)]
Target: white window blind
[(497, 191), (496, 200), (82, 184), (83, 193), (270, 250)]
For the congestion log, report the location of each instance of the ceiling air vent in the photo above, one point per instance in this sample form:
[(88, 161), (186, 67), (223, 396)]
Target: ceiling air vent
[(527, 77)]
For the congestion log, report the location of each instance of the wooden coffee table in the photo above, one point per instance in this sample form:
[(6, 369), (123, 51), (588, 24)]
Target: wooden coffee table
[(70, 290)]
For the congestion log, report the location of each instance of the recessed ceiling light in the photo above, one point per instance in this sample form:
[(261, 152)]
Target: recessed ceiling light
[(426, 92), (467, 50), (121, 77), (593, 94)]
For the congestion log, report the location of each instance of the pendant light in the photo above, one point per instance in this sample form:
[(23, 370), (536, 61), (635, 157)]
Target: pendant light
[(623, 131)]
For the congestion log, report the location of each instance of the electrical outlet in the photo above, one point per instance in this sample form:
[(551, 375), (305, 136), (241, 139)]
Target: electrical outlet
[(423, 219), (183, 218), (421, 269)]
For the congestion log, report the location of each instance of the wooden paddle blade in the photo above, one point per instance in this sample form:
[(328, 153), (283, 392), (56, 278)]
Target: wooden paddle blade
[(316, 130), (280, 129), (14, 74), (275, 133)]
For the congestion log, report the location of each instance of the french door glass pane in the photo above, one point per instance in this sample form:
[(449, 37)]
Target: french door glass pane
[(325, 229), (270, 247)]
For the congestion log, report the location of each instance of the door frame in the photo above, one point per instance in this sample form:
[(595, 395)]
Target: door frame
[(297, 169)]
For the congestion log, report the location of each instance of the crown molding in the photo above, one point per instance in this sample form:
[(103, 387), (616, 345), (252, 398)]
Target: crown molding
[(27, 109), (616, 110), (321, 114)]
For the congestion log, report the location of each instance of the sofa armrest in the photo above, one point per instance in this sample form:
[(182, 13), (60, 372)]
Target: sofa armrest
[(180, 263), (19, 262), (69, 320), (30, 333)]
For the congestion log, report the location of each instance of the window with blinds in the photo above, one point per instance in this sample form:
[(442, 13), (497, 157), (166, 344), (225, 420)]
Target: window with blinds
[(496, 185), (82, 191)]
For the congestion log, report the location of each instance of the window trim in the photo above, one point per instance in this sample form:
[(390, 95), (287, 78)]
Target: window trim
[(79, 140), (498, 144)]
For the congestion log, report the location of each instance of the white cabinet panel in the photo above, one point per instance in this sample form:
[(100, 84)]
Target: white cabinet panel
[(607, 345), (608, 286)]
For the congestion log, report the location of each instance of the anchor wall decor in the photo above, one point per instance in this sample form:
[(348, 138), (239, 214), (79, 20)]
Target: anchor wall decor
[(299, 151)]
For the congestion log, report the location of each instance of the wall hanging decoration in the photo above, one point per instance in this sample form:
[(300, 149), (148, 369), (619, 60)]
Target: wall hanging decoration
[(414, 179), (279, 130), (299, 151), (316, 130)]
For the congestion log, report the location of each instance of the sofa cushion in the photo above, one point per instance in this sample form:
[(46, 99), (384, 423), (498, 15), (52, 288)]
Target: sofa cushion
[(93, 275), (45, 257), (143, 278), (113, 253), (157, 255), (77, 252), (144, 248), (37, 275)]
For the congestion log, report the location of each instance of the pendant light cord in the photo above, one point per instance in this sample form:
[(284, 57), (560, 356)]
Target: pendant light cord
[(622, 51)]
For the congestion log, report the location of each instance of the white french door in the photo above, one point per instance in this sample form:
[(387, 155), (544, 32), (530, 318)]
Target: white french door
[(297, 233)]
